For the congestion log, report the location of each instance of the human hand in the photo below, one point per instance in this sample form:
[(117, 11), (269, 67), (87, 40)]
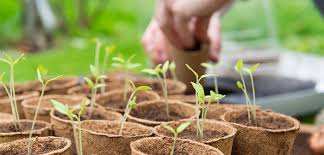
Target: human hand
[(181, 23), (316, 142)]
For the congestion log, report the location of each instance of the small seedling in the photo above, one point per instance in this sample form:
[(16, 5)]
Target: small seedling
[(172, 68), (175, 133), (201, 99), (11, 91), (41, 73), (160, 71), (108, 51), (251, 105), (131, 104), (126, 65), (210, 66), (64, 109), (94, 85)]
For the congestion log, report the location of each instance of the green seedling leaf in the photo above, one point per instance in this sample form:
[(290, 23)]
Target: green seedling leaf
[(206, 76), (143, 88), (118, 59), (239, 84), (132, 84), (170, 129), (165, 66), (60, 107), (116, 65), (193, 71), (200, 91), (215, 96), (132, 103), (83, 105), (133, 66), (253, 68), (172, 66), (1, 76), (149, 71), (20, 58), (89, 82), (206, 65), (8, 58), (182, 127), (239, 65), (94, 71)]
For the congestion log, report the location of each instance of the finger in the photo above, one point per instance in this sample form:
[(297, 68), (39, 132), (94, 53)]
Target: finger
[(149, 36), (201, 26), (214, 35), (164, 19), (191, 8), (181, 26)]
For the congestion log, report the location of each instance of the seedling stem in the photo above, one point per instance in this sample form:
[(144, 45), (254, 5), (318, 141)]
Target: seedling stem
[(175, 133)]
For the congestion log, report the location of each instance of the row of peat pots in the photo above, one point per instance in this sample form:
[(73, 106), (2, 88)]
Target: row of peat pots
[(225, 131)]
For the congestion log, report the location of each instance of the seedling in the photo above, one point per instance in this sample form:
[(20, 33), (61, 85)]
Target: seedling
[(94, 85), (126, 65), (210, 66), (41, 73), (131, 104), (108, 51), (76, 126), (175, 133), (172, 68), (160, 71), (201, 100), (11, 91), (251, 105)]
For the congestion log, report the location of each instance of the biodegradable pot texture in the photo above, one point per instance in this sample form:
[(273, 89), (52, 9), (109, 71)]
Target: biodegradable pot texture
[(5, 102), (194, 58), (5, 116), (114, 100), (216, 111), (61, 85), (86, 90), (274, 133), (63, 128), (163, 145), (184, 98), (8, 132), (101, 137), (174, 87), (119, 75), (30, 105), (154, 113), (216, 134), (41, 145)]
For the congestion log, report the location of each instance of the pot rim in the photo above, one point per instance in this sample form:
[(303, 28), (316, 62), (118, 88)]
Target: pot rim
[(295, 122), (20, 97), (181, 87), (47, 126)]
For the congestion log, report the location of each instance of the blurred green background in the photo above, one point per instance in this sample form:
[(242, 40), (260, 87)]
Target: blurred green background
[(122, 23)]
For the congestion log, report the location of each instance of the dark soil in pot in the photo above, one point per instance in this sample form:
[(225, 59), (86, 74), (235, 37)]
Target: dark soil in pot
[(5, 116), (101, 137), (9, 133), (217, 134), (154, 113), (63, 128), (174, 87), (114, 100), (162, 146), (5, 102), (30, 105), (216, 111), (42, 145), (272, 133)]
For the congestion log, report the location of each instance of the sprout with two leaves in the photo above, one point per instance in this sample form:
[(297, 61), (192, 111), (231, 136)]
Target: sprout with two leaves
[(76, 126), (11, 91), (201, 100), (176, 132), (172, 68), (41, 73), (94, 85), (251, 105), (160, 71), (210, 66), (126, 65), (131, 104)]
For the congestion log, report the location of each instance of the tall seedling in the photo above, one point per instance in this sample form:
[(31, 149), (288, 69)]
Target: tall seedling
[(251, 105), (76, 126), (160, 71), (201, 100), (94, 85), (108, 51), (11, 91), (210, 66), (131, 104), (41, 73), (126, 65), (175, 133)]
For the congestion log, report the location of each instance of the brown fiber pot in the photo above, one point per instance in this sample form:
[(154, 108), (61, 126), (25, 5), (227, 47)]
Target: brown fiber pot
[(154, 113), (42, 145), (216, 111), (86, 90), (30, 105), (61, 85), (216, 134), (174, 87), (63, 128), (274, 134), (5, 116), (101, 137), (163, 145), (114, 100), (184, 98), (5, 102), (8, 132)]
